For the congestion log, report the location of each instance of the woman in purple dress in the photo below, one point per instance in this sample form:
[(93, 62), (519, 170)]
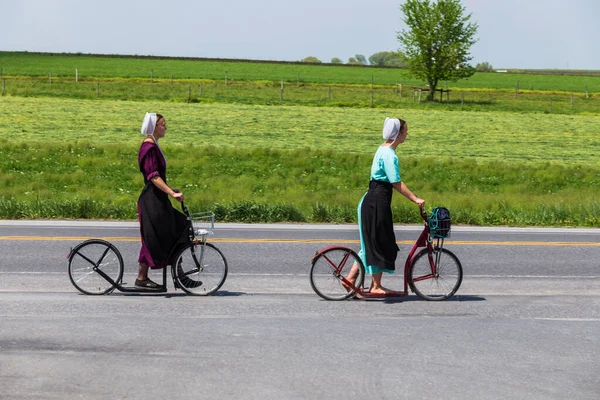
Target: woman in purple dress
[(161, 226)]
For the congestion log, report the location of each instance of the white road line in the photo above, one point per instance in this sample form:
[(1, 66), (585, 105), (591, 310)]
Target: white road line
[(568, 319), (299, 226)]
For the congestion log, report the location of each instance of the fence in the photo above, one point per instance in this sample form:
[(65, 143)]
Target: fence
[(296, 93)]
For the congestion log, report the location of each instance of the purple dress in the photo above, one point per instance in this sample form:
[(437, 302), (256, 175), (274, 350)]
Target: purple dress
[(161, 226)]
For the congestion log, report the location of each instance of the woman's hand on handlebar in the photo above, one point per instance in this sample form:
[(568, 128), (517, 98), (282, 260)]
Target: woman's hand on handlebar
[(177, 195), (419, 202)]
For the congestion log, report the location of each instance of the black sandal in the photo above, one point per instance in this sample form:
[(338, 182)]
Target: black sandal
[(190, 283)]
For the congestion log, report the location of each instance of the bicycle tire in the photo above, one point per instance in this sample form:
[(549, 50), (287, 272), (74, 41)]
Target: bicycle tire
[(202, 280), (326, 269), (88, 255), (444, 284)]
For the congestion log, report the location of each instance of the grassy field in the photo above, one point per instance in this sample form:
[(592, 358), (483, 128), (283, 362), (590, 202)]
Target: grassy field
[(268, 93), (90, 68), (69, 150), (72, 158)]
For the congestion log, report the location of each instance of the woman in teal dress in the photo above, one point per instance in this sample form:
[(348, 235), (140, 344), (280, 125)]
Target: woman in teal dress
[(378, 243)]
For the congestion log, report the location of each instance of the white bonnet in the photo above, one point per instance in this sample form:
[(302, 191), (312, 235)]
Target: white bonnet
[(391, 128), (149, 124)]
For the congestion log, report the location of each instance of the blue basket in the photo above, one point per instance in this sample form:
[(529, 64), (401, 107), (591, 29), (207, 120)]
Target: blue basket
[(439, 223)]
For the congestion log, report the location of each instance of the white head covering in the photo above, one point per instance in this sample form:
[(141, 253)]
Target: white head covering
[(391, 128), (148, 126)]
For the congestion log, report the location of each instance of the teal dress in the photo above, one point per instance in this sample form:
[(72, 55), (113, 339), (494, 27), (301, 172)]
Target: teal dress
[(377, 240)]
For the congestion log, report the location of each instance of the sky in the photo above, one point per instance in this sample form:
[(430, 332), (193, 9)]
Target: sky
[(554, 34)]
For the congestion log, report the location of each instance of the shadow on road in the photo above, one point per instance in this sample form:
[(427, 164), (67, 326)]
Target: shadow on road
[(171, 295), (394, 300)]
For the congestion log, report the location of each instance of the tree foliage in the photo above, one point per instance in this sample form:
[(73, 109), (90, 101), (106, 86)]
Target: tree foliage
[(311, 59), (438, 40), (361, 58), (484, 67), (387, 59), (336, 60)]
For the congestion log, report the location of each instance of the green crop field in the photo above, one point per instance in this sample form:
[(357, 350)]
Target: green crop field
[(93, 67), (65, 157), (313, 95), (68, 151)]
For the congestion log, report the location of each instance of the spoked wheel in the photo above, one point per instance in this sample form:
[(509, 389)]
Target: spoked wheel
[(441, 285), (200, 269), (327, 269), (89, 260)]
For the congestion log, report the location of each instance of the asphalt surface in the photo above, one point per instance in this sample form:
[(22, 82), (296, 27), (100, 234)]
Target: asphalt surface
[(524, 324)]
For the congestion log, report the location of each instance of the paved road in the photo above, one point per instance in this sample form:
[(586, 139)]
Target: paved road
[(525, 323)]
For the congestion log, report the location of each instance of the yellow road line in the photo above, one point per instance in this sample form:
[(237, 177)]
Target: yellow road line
[(333, 241)]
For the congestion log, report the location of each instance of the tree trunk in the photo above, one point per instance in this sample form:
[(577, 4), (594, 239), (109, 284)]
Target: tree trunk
[(431, 94), (432, 87)]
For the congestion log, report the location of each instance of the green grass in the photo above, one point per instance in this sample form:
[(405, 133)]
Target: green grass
[(16, 64), (492, 136), (77, 159), (81, 180), (492, 159), (266, 93)]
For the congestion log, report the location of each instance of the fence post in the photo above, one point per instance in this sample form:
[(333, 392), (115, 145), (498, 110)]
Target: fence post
[(448, 95), (189, 93), (372, 82), (396, 89), (462, 101), (571, 100), (51, 77), (420, 91), (586, 92), (152, 76), (171, 79), (3, 85), (550, 104), (441, 95), (298, 79), (226, 79), (329, 93), (200, 89), (0, 72), (517, 87), (281, 93), (76, 75), (401, 89), (97, 89)]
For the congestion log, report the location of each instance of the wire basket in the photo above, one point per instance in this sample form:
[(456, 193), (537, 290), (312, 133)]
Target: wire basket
[(204, 223)]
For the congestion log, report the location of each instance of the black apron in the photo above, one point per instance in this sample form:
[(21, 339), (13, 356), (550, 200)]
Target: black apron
[(378, 226), (162, 227)]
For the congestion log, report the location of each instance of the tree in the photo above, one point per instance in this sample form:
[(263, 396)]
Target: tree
[(336, 60), (361, 59), (387, 59), (311, 59), (484, 67), (437, 43), (353, 61)]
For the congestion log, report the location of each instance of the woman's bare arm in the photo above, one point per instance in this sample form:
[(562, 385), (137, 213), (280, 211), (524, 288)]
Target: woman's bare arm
[(159, 183), (405, 191)]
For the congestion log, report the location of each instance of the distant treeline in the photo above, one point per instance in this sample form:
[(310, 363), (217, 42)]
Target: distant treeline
[(235, 60)]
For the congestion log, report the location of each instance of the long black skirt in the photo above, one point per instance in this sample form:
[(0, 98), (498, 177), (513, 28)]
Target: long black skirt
[(377, 228), (161, 226)]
